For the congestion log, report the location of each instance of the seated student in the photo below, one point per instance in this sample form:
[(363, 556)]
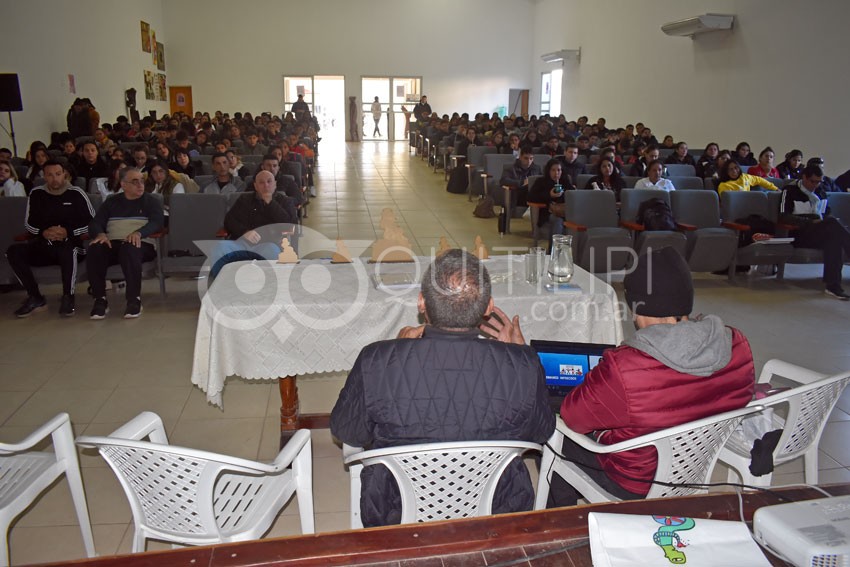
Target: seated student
[(237, 168), (827, 184), (183, 163), (608, 178), (515, 176), (141, 158), (765, 165), (512, 146), (9, 184), (224, 182), (163, 153), (650, 154), (571, 166), (706, 165), (743, 155), (104, 144), (161, 182), (584, 147), (252, 146), (257, 222), (35, 172), (681, 156), (731, 179), (394, 393), (544, 191), (552, 147), (653, 180), (57, 218), (91, 165), (804, 205), (668, 143), (120, 227)]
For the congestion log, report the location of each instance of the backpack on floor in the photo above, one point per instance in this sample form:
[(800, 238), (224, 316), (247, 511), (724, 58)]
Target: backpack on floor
[(484, 208)]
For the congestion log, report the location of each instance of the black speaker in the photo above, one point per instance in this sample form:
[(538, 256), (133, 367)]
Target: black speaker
[(10, 93)]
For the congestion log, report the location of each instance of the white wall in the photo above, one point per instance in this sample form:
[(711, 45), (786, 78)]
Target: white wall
[(98, 41), (777, 79), (234, 55)]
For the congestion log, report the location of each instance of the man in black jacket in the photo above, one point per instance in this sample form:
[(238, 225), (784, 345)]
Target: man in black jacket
[(257, 222), (804, 205), (516, 176), (439, 382)]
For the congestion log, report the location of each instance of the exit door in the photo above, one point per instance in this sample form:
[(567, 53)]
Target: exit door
[(181, 100), (387, 117)]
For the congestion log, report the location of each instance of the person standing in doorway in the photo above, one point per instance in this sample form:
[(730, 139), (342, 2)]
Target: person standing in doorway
[(376, 116)]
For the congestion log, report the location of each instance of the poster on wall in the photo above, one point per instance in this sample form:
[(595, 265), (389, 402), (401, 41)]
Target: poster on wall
[(160, 56), (146, 37), (149, 86), (153, 46), (161, 88)]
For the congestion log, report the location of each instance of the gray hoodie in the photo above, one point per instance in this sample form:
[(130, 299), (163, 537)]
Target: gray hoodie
[(696, 347)]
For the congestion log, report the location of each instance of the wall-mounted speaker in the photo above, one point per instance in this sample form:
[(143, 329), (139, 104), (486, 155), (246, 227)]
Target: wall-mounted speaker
[(10, 93)]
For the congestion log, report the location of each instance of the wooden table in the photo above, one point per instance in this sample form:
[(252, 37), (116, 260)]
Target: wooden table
[(476, 541)]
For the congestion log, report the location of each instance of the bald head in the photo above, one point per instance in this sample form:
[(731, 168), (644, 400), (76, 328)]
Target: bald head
[(265, 185)]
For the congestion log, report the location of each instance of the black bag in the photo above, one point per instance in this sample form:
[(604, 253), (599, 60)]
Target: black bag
[(655, 214), (484, 208), (757, 224)]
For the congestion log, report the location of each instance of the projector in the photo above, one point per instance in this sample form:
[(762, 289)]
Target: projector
[(814, 533)]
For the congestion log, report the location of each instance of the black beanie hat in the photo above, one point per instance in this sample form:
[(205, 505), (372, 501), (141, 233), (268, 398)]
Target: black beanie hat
[(660, 285)]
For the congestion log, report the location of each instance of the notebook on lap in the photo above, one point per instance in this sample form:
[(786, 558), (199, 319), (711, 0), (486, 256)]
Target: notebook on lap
[(566, 364)]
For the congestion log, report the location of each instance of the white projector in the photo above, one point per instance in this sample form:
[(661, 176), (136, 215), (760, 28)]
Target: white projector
[(814, 533)]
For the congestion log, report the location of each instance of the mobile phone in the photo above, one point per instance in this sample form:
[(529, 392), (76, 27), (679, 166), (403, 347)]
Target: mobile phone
[(559, 189)]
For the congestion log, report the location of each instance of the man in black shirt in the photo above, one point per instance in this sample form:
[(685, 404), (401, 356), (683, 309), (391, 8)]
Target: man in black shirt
[(91, 166), (57, 217)]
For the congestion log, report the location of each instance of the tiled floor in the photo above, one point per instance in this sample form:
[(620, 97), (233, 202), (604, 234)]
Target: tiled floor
[(104, 373)]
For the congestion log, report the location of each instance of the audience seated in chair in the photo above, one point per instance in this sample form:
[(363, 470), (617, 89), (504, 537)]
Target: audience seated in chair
[(121, 226), (765, 168), (9, 184), (257, 222), (731, 179), (571, 167), (804, 206), (608, 179), (549, 191), (411, 390), (225, 181), (672, 371), (58, 217)]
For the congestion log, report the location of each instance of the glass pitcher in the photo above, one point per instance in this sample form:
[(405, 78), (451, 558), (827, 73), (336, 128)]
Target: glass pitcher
[(561, 261)]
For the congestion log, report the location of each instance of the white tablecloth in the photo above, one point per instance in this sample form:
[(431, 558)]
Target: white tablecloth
[(263, 320)]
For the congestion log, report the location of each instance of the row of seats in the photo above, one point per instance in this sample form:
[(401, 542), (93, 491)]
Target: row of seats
[(238, 500), (606, 238)]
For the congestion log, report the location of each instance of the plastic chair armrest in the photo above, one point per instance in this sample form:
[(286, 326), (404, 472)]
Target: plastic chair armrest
[(486, 176), (637, 227), (537, 205), (159, 233), (786, 226), (36, 436), (291, 450), (349, 450), (221, 233), (736, 226), (790, 371), (146, 424), (686, 227), (575, 226)]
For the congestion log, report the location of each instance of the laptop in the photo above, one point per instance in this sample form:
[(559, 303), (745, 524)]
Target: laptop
[(565, 365)]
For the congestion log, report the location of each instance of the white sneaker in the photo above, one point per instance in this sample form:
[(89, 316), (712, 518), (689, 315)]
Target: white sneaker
[(313, 192)]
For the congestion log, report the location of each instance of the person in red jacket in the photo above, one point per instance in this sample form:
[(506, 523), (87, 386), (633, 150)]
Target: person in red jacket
[(672, 371)]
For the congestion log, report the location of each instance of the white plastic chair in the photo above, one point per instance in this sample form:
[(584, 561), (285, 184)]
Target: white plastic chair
[(438, 481), (808, 408), (194, 497), (686, 455), (26, 474)]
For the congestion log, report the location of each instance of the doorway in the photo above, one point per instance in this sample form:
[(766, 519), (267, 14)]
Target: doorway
[(396, 97), (325, 98), (518, 102), (181, 100)]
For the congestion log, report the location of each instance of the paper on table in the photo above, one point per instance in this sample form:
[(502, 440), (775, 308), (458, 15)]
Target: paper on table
[(620, 540)]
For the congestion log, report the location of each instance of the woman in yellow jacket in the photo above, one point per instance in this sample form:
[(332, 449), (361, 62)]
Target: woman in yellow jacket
[(732, 179)]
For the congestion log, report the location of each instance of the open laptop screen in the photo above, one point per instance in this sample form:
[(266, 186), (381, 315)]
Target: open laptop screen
[(566, 364)]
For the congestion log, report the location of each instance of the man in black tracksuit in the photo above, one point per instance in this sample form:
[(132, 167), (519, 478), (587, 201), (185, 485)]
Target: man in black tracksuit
[(118, 230), (57, 218), (803, 205)]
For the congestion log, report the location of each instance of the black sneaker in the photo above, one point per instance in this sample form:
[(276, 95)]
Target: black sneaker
[(31, 305), (99, 309), (134, 308), (837, 293), (66, 308)]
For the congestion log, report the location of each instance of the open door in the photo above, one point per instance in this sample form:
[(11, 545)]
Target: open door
[(181, 100)]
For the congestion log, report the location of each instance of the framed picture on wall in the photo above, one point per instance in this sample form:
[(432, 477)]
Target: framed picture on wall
[(160, 56), (153, 46), (162, 88), (149, 86), (146, 37)]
